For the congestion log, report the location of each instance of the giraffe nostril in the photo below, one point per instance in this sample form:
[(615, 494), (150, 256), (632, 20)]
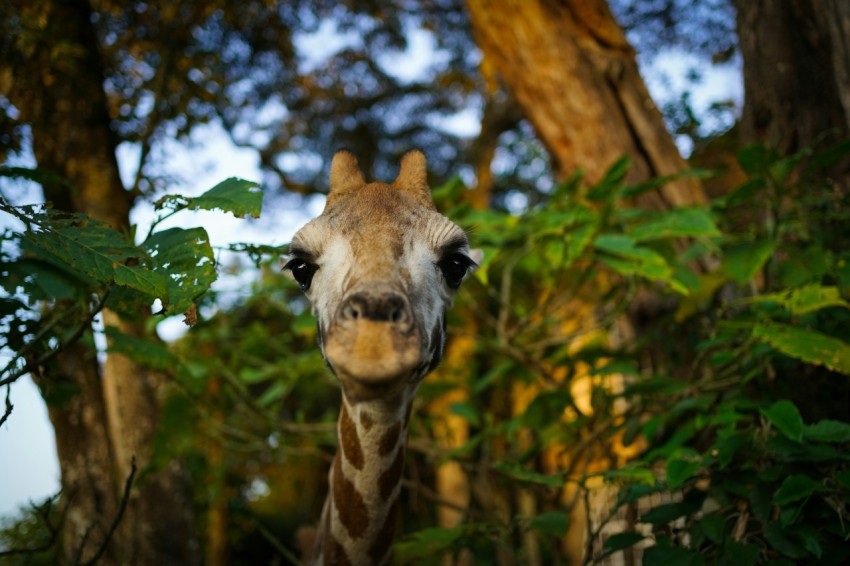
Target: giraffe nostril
[(383, 307)]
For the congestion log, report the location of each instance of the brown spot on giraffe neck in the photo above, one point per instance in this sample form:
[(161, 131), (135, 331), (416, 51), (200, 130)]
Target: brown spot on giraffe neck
[(366, 420), (349, 440), (391, 477), (389, 440), (348, 503), (384, 537)]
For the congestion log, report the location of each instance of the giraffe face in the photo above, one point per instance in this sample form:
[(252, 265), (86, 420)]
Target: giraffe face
[(380, 266)]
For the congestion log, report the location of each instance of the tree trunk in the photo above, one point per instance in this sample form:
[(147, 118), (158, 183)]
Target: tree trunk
[(796, 73), (57, 85), (574, 74), (70, 385)]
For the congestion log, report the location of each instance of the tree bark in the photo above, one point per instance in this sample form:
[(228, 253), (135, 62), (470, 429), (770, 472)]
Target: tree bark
[(796, 73), (574, 74), (57, 85), (70, 385)]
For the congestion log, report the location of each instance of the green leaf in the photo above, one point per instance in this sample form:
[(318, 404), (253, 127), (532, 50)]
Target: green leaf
[(553, 524), (466, 411), (830, 155), (679, 471), (252, 375), (275, 392), (186, 258), (806, 345), (634, 473), (760, 501), (811, 541), (45, 280), (671, 556), (425, 543), (843, 479), (777, 538), (755, 159), (624, 246), (577, 242), (142, 279), (608, 186), (785, 416), (737, 554), (742, 261), (628, 258), (632, 191), (546, 408), (622, 540), (667, 512), (803, 300), (129, 303), (93, 249), (795, 487), (713, 526), (233, 195), (677, 223), (828, 431), (521, 474)]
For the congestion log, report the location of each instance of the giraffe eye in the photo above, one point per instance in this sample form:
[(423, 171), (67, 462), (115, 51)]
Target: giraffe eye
[(302, 270), (454, 266)]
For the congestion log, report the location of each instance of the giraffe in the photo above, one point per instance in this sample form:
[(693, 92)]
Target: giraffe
[(380, 267)]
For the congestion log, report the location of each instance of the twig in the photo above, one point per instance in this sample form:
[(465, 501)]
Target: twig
[(285, 552), (125, 499), (9, 405)]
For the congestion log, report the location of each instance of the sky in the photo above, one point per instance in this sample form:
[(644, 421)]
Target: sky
[(28, 465)]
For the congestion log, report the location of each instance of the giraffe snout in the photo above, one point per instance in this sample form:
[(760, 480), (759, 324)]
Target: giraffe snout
[(373, 343), (387, 306)]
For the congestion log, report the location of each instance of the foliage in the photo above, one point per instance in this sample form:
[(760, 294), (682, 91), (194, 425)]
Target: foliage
[(754, 448), (730, 406), (62, 269), (722, 427)]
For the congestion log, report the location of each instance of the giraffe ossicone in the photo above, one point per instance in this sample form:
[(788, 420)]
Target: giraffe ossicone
[(380, 267)]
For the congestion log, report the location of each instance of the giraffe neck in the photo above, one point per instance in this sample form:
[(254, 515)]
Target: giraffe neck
[(359, 517)]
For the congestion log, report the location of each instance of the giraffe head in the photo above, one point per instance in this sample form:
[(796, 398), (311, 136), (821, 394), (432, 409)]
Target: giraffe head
[(380, 266)]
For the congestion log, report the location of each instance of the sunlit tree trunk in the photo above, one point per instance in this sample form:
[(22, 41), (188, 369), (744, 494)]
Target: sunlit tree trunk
[(575, 76), (109, 419), (796, 73)]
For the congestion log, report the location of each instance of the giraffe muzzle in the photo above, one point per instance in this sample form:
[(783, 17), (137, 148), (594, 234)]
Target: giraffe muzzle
[(373, 339)]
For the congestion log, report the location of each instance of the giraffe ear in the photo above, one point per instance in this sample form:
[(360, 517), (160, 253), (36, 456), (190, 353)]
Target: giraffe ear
[(345, 173), (413, 177)]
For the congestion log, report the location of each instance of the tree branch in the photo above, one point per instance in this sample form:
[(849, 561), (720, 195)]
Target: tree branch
[(9, 406)]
